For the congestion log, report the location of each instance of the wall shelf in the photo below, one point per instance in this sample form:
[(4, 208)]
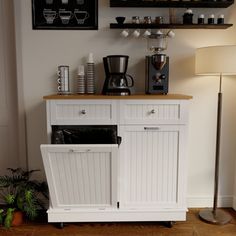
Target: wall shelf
[(175, 4), (169, 26)]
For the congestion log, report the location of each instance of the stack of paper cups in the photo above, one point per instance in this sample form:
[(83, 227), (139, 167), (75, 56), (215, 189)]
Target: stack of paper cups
[(81, 80), (90, 75)]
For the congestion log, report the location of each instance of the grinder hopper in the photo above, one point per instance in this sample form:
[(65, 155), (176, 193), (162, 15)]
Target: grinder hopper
[(156, 44)]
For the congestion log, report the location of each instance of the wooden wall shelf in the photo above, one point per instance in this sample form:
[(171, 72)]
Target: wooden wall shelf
[(168, 3), (169, 26)]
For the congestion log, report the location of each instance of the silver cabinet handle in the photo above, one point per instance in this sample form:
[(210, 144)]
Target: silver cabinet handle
[(152, 128), (83, 112), (152, 111), (81, 151)]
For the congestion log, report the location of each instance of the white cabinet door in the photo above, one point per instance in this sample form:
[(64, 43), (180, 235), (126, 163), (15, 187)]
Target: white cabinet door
[(82, 176), (152, 167)]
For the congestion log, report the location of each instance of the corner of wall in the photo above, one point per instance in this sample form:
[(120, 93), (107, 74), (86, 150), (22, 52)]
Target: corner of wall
[(23, 162), (234, 203)]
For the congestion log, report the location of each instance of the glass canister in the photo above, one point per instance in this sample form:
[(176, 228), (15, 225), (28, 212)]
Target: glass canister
[(135, 20), (159, 20), (147, 20), (157, 42)]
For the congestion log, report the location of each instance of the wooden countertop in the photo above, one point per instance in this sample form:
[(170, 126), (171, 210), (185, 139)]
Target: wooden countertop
[(133, 96)]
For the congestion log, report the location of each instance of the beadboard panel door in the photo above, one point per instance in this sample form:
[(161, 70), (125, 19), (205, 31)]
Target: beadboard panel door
[(151, 167), (82, 176)]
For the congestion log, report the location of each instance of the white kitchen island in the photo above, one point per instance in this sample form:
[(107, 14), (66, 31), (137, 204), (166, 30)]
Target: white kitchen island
[(143, 179)]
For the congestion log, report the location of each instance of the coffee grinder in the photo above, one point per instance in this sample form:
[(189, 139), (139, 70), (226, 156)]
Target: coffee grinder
[(157, 64)]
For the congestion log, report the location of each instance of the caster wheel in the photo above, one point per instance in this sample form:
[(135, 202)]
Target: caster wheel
[(59, 225), (170, 224)]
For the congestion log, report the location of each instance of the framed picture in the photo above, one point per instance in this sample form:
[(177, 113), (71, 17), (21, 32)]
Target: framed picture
[(65, 14)]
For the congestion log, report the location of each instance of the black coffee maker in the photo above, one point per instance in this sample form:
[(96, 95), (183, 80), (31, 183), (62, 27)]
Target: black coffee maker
[(117, 82)]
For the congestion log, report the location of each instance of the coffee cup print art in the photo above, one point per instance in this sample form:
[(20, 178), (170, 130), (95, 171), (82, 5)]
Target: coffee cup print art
[(81, 16), (64, 1), (65, 16), (49, 16), (80, 2), (49, 2)]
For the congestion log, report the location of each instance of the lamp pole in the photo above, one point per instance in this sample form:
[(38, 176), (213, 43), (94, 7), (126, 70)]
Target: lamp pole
[(214, 215), (217, 154)]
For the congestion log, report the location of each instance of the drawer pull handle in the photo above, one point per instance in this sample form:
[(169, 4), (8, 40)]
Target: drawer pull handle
[(152, 111), (151, 128), (81, 151), (83, 112)]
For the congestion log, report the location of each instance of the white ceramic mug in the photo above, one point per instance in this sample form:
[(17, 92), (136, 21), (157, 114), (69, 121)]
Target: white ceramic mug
[(171, 34), (136, 33), (147, 33), (124, 33)]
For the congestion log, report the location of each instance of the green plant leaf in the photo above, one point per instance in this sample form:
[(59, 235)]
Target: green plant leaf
[(21, 192), (1, 216), (20, 202), (9, 217), (10, 199)]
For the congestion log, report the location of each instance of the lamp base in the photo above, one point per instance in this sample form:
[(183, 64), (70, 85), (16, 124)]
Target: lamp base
[(217, 217)]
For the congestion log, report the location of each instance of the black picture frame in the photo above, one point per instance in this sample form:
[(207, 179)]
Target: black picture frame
[(65, 14)]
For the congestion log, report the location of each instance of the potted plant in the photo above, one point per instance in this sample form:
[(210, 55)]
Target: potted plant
[(22, 196)]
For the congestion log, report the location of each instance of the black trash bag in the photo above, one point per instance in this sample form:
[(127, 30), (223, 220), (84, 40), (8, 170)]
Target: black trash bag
[(85, 135), (58, 137)]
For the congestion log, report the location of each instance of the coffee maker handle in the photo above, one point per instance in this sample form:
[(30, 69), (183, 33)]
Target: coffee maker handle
[(132, 81)]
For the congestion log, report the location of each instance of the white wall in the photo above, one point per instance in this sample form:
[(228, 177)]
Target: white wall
[(8, 93), (42, 51)]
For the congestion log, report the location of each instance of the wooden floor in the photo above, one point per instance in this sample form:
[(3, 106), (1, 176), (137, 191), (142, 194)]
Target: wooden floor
[(192, 227)]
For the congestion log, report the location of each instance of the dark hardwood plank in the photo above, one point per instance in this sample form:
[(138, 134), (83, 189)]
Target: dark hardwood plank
[(192, 227)]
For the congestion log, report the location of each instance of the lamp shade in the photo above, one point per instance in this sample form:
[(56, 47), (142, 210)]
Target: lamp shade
[(216, 60)]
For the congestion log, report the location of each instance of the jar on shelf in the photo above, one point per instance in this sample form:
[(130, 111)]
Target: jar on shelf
[(201, 19), (188, 17), (147, 20), (221, 19), (211, 19), (135, 20), (159, 20)]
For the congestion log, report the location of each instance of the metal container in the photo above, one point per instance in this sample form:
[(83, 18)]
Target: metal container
[(147, 20), (63, 80), (159, 20), (135, 20)]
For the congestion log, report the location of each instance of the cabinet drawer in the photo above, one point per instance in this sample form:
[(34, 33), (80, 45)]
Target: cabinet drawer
[(153, 111), (73, 112)]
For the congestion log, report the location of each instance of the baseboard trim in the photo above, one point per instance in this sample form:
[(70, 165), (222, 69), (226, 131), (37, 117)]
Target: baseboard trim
[(234, 203), (207, 201)]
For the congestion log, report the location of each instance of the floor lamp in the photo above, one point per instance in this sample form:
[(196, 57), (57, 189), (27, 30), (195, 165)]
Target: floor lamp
[(216, 60)]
